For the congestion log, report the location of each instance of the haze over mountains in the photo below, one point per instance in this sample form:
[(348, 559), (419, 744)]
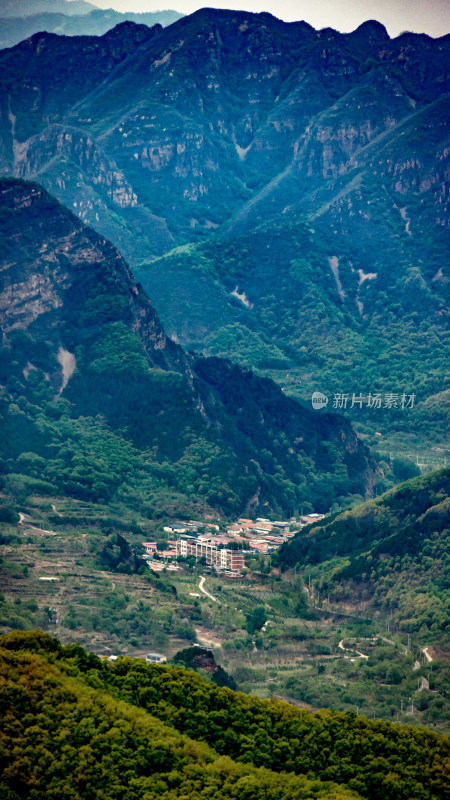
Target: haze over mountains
[(303, 173), (21, 18), (25, 8)]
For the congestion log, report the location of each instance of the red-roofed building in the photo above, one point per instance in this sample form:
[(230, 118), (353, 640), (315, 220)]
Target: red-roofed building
[(167, 553), (234, 528), (263, 526), (259, 547)]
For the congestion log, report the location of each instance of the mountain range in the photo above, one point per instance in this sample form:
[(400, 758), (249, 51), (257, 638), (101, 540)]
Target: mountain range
[(98, 402), (281, 192)]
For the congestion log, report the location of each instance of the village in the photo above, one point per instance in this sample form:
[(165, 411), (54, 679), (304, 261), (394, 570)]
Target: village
[(224, 550)]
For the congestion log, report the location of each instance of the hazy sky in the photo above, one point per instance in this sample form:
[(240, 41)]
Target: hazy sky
[(421, 16)]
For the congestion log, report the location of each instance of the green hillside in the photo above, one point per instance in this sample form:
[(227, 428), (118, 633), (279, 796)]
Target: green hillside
[(367, 634), (393, 551), (77, 727), (291, 323)]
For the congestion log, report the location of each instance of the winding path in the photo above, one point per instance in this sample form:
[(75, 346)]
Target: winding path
[(351, 650), (202, 589), (32, 527)]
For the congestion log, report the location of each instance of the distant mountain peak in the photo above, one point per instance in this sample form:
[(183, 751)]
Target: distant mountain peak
[(330, 34), (128, 27), (372, 30)]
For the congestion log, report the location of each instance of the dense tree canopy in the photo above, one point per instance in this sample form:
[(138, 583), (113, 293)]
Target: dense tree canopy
[(77, 727)]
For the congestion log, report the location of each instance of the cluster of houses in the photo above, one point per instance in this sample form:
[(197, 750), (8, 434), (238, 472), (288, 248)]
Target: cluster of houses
[(223, 550)]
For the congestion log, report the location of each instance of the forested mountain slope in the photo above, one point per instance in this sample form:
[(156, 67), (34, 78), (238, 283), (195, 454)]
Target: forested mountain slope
[(97, 401), (89, 727), (391, 552), (65, 736)]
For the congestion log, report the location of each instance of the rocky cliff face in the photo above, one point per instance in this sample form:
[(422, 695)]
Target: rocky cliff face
[(202, 660), (47, 249)]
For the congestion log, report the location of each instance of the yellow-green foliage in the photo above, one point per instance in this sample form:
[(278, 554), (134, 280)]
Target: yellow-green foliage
[(64, 738), (76, 727)]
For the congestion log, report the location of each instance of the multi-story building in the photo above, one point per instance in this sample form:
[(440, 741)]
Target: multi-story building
[(221, 558)]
